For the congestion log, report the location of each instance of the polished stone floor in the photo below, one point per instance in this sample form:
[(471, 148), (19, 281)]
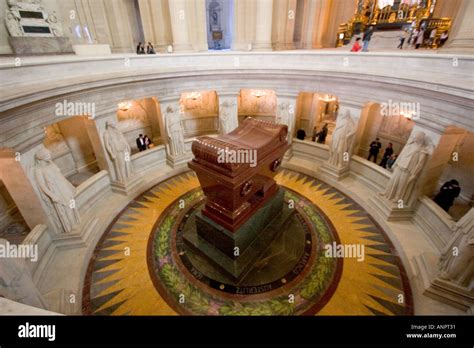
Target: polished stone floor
[(141, 266)]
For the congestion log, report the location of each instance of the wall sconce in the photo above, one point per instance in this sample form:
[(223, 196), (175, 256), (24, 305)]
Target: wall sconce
[(258, 93), (124, 106), (327, 98), (193, 96)]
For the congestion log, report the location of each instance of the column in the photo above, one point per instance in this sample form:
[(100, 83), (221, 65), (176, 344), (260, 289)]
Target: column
[(119, 25), (461, 38), (156, 22), (197, 21), (263, 27), (179, 26), (244, 24), (284, 12)]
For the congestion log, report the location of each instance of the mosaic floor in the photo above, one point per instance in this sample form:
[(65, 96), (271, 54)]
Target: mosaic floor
[(142, 267)]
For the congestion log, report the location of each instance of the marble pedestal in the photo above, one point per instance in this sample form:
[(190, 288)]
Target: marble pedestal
[(234, 253), (40, 45), (390, 210), (337, 173), (174, 161), (128, 187), (442, 290)]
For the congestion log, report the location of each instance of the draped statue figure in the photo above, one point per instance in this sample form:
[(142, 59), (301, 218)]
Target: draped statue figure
[(286, 115), (119, 152), (175, 132), (16, 282), (342, 141), (56, 191), (227, 117), (457, 259), (408, 167)]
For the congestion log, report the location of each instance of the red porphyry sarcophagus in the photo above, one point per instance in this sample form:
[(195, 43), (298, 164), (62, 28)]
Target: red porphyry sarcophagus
[(236, 171)]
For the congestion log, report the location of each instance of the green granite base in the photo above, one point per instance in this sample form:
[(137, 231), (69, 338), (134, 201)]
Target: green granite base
[(235, 253)]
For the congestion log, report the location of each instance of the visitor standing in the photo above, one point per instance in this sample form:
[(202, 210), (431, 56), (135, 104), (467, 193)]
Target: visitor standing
[(402, 39), (443, 38), (432, 41), (366, 38), (141, 143), (375, 147), (447, 194), (386, 156), (420, 38)]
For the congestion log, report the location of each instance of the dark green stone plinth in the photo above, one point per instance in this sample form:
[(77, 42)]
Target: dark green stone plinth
[(219, 245)]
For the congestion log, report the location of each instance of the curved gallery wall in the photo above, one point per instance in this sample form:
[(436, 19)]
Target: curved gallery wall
[(442, 93)]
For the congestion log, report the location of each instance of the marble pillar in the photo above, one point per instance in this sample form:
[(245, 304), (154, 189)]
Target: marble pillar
[(263, 25), (461, 38), (284, 12), (244, 25), (179, 25), (156, 22)]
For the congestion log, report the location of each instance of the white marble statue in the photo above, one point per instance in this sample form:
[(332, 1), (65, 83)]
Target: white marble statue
[(175, 132), (342, 143), (408, 167), (12, 22), (56, 191), (227, 117), (286, 116), (119, 152), (16, 282), (457, 259)]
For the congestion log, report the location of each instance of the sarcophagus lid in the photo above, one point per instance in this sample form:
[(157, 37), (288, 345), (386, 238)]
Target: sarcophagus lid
[(246, 146)]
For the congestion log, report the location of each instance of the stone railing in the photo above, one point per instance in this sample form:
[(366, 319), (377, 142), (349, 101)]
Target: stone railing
[(91, 190), (434, 221)]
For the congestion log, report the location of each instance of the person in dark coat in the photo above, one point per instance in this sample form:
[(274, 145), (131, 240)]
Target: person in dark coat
[(323, 134), (141, 145), (366, 38), (388, 152), (374, 149), (447, 194), (300, 134)]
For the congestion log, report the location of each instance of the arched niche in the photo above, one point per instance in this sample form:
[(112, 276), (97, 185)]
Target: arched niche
[(71, 148), (140, 116), (13, 226), (452, 159), (258, 103), (199, 111), (389, 127), (314, 110), (219, 14)]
